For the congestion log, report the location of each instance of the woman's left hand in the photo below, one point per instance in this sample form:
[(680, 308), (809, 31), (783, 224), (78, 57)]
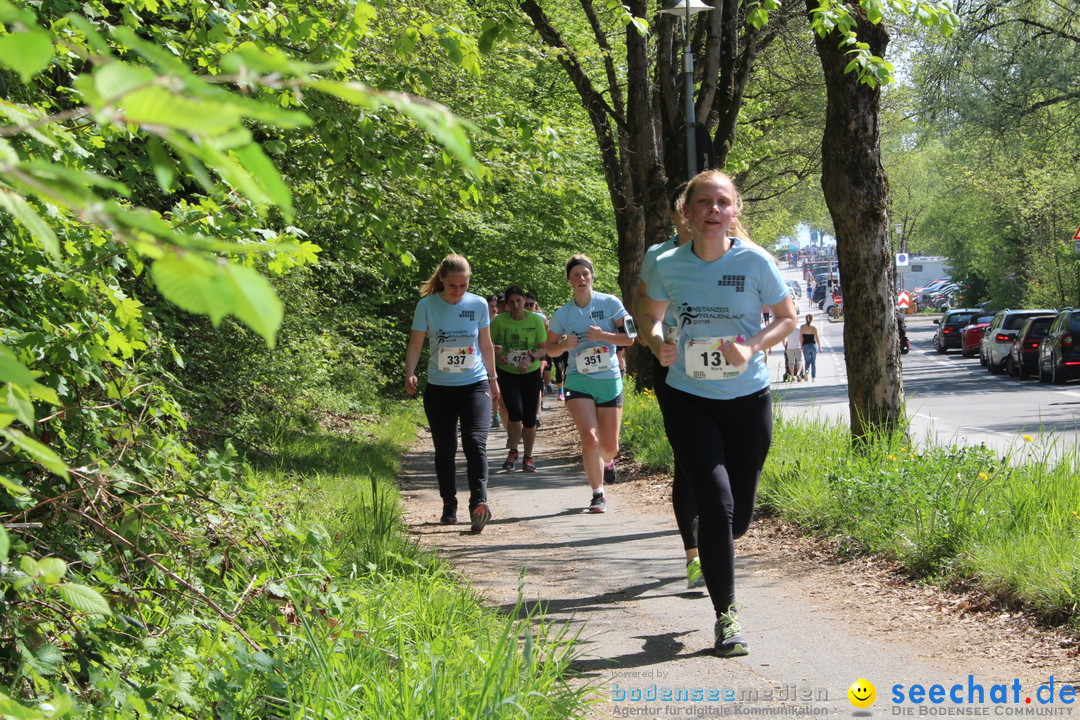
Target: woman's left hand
[(736, 353)]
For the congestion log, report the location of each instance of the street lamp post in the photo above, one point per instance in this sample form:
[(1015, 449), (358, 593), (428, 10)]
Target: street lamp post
[(684, 9)]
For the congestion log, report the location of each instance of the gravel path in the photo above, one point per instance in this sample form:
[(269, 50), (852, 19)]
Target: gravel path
[(815, 624)]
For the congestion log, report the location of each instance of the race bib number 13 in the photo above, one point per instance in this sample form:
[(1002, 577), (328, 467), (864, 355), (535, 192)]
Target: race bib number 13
[(704, 361), (457, 359), (594, 359)]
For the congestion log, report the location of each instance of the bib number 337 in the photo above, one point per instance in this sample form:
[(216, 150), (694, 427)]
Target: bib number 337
[(457, 359), (705, 361)]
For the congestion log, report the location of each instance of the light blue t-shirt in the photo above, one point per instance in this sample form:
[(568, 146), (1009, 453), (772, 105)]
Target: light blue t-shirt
[(669, 320), (453, 338), (711, 300), (597, 359)]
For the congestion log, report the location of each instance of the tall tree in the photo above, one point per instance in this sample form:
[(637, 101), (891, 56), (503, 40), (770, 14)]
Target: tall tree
[(856, 191)]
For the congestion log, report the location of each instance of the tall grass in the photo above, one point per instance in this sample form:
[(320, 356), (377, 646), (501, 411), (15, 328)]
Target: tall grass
[(951, 514), (389, 631)]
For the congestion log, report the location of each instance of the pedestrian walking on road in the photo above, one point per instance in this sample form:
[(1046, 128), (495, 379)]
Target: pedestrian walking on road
[(682, 496), (720, 409), (810, 341), (461, 382), (520, 336), (589, 328)]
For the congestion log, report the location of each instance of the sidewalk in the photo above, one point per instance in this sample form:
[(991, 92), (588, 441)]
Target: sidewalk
[(619, 577)]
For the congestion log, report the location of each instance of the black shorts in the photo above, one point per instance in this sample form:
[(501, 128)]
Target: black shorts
[(617, 401)]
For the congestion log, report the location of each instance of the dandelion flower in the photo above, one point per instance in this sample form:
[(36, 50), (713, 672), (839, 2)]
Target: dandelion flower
[(982, 476), (892, 457), (1028, 438)]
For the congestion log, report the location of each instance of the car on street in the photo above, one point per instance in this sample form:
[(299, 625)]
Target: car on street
[(997, 342), (949, 326), (796, 288), (972, 334), (924, 294), (1059, 353), (1023, 357)]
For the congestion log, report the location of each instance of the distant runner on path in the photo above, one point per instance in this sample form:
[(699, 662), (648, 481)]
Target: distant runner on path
[(682, 495), (520, 335), (588, 329), (461, 381)]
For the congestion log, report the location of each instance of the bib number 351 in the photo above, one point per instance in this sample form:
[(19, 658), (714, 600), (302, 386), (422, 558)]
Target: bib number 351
[(594, 359)]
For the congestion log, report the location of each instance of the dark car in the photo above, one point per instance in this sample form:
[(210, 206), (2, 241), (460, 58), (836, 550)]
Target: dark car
[(997, 342), (972, 334), (949, 326), (1059, 354), (1024, 354), (924, 294)]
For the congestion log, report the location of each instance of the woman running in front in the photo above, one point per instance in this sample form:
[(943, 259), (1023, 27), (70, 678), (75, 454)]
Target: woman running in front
[(588, 329), (460, 385), (719, 418), (521, 335)]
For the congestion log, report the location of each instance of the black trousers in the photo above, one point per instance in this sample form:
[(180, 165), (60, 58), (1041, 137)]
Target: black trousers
[(470, 406), (682, 496), (721, 446), (521, 393)]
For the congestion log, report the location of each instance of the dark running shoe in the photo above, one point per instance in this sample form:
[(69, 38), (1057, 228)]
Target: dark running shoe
[(528, 465), (598, 504), (729, 638), (449, 513), (511, 461), (480, 516), (610, 476)]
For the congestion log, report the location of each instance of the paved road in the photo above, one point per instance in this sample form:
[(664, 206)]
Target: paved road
[(950, 400)]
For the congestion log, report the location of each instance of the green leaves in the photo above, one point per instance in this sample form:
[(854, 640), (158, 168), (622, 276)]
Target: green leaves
[(218, 288), (83, 599), (27, 49)]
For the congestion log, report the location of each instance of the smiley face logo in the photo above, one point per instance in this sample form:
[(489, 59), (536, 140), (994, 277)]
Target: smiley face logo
[(862, 693)]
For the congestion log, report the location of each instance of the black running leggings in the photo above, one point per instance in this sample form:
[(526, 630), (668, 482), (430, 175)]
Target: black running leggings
[(446, 406), (721, 445), (521, 393), (682, 496), (560, 368)]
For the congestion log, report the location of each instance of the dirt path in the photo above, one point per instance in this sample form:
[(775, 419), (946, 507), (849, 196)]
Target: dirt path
[(815, 624)]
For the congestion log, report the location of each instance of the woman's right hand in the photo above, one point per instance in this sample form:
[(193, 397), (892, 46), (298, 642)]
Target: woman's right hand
[(667, 353), (569, 342), (410, 384)]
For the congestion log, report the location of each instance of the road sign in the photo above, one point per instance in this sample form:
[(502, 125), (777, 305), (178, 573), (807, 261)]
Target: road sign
[(903, 300), (1076, 235), (902, 260)]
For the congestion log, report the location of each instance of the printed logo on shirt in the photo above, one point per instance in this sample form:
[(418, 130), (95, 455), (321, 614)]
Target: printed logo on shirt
[(704, 314), (736, 281), (468, 314), (444, 335), (597, 315)]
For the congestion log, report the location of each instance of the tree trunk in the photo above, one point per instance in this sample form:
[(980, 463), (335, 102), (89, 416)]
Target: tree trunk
[(856, 192)]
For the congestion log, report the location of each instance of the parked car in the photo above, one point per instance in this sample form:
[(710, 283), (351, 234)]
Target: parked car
[(948, 296), (972, 334), (925, 294), (1024, 354), (1059, 353), (949, 326), (796, 288), (997, 342)]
